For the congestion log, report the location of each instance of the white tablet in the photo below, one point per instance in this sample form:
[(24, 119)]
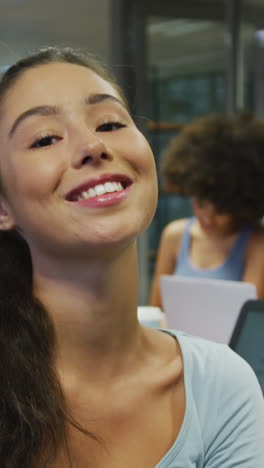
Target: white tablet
[(204, 307)]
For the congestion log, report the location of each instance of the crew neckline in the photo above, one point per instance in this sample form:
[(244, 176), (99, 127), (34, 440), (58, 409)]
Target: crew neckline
[(182, 435)]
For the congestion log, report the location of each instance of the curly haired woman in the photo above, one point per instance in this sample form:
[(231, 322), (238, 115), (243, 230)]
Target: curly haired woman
[(217, 160)]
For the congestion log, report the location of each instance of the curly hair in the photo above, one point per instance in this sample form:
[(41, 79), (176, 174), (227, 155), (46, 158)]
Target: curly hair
[(220, 158)]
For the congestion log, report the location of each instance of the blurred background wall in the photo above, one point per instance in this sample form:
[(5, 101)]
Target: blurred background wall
[(176, 60)]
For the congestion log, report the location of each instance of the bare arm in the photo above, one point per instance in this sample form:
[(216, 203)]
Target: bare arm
[(254, 263), (166, 258)]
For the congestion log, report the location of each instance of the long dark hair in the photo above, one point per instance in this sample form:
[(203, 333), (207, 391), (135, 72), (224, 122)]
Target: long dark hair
[(33, 410)]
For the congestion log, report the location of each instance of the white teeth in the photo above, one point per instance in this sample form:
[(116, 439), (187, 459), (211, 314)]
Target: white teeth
[(109, 187), (91, 193), (100, 189), (85, 195)]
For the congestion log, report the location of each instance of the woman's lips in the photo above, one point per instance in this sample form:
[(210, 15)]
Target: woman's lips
[(105, 200), (98, 187)]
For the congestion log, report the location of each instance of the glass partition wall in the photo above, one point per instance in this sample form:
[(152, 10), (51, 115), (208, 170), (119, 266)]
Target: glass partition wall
[(186, 79), (181, 61)]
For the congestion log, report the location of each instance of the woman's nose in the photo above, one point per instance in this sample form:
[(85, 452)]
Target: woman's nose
[(93, 151)]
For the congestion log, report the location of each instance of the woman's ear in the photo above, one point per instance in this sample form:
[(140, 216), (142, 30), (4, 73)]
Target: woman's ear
[(7, 221)]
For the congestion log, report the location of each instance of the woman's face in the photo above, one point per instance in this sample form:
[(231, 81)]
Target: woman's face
[(211, 221), (76, 172)]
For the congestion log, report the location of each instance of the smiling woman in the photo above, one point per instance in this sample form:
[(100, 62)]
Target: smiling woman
[(83, 384)]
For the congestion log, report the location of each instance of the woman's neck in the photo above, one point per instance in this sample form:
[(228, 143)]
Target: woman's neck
[(94, 308)]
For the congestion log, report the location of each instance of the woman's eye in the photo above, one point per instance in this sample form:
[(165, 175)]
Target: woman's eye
[(45, 141), (110, 127)]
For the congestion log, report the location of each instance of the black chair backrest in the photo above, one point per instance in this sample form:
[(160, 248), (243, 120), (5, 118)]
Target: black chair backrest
[(248, 337)]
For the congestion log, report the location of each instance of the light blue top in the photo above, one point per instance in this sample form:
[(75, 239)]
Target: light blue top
[(223, 425), (231, 269)]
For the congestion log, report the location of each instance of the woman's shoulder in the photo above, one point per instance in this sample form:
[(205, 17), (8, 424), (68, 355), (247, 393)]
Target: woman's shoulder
[(214, 366), (222, 387), (255, 245), (175, 229), (224, 406)]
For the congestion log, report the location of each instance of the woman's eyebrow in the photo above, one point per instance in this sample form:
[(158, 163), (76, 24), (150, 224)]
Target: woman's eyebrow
[(38, 110), (54, 110), (100, 97)]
